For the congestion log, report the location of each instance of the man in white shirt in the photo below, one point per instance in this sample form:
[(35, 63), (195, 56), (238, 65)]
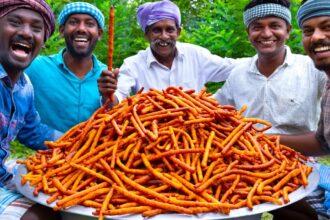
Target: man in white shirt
[(165, 62), (278, 86)]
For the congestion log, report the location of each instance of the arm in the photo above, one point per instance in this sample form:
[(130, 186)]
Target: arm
[(307, 144), (34, 133)]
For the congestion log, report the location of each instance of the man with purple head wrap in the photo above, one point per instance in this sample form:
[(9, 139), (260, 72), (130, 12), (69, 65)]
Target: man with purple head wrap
[(165, 62), (25, 25)]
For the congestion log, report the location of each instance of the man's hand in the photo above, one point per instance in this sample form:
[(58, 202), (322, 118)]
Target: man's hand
[(107, 84)]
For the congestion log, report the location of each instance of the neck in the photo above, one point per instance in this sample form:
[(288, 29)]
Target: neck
[(166, 61), (13, 74), (79, 66), (268, 64)]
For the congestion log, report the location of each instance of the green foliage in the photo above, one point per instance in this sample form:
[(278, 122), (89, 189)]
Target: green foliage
[(214, 24), (18, 150)]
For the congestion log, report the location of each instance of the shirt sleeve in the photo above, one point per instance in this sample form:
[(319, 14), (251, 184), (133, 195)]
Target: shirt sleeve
[(216, 68), (224, 95), (126, 82), (34, 133), (319, 135)]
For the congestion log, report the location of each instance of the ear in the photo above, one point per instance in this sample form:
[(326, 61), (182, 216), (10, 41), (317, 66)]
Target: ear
[(100, 33), (179, 31), (288, 29), (61, 29)]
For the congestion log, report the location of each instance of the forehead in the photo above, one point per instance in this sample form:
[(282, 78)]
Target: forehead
[(316, 21), (81, 16), (268, 20), (25, 14), (165, 22)]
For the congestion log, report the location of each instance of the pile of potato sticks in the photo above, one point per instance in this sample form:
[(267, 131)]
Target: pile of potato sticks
[(166, 151)]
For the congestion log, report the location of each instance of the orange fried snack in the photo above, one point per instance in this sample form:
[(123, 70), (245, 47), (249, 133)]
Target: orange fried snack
[(166, 151)]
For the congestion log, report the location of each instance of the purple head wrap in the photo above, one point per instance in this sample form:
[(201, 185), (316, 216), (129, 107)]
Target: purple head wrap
[(152, 12), (40, 6)]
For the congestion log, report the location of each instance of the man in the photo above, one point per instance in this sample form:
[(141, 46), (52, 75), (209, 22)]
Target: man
[(314, 20), (165, 62), (280, 87), (24, 27), (65, 84)]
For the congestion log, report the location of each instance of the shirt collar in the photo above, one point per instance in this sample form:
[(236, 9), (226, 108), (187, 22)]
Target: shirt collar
[(4, 76), (151, 58), (60, 61), (288, 60)]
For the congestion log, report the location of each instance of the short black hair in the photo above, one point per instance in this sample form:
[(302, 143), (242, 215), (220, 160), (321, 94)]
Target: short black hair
[(252, 3)]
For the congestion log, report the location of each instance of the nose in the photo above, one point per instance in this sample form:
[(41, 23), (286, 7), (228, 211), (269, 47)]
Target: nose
[(26, 31), (267, 32), (164, 34), (81, 27), (318, 35)]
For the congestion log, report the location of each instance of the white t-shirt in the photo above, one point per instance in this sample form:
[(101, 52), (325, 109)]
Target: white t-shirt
[(289, 98), (192, 67)]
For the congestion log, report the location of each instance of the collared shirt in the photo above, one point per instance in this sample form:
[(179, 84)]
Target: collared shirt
[(323, 130), (18, 118), (193, 66), (289, 98), (61, 98)]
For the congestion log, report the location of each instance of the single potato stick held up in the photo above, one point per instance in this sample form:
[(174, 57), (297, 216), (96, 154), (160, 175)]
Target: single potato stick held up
[(168, 151)]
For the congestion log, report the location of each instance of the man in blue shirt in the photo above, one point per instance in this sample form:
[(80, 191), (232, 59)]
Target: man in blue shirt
[(65, 84), (24, 27)]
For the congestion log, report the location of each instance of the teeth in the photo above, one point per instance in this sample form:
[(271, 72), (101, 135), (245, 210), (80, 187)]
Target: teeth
[(23, 45), (81, 39), (321, 49), (163, 44), (267, 42)]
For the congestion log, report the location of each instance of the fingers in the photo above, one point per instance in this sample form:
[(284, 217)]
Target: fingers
[(107, 83)]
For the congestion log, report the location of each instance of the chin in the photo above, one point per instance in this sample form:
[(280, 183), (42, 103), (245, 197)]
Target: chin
[(323, 66)]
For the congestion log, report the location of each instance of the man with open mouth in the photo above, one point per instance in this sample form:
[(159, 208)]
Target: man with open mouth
[(25, 25), (166, 62), (65, 83)]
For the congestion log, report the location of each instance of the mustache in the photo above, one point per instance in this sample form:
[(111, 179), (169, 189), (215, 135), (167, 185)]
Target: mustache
[(158, 41), (19, 39), (324, 43)]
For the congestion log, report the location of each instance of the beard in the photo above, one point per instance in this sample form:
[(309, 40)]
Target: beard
[(79, 53), (323, 67)]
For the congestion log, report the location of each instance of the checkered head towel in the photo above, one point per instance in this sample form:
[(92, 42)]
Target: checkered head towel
[(40, 6), (311, 9), (265, 10), (152, 12), (81, 8)]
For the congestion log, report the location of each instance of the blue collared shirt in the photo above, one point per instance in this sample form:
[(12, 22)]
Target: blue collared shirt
[(19, 119), (61, 98)]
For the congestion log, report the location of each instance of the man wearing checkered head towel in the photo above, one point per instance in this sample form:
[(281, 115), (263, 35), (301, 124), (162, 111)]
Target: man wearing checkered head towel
[(313, 18), (25, 25), (283, 88), (165, 62), (75, 68)]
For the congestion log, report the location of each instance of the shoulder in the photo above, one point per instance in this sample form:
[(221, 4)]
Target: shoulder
[(191, 47), (139, 58)]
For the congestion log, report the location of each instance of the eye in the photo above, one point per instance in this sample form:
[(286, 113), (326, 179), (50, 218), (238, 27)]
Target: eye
[(14, 22), (156, 30), (307, 31), (37, 28), (171, 30), (90, 24)]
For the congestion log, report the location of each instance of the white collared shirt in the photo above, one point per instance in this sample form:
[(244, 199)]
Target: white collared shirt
[(192, 67), (289, 98)]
